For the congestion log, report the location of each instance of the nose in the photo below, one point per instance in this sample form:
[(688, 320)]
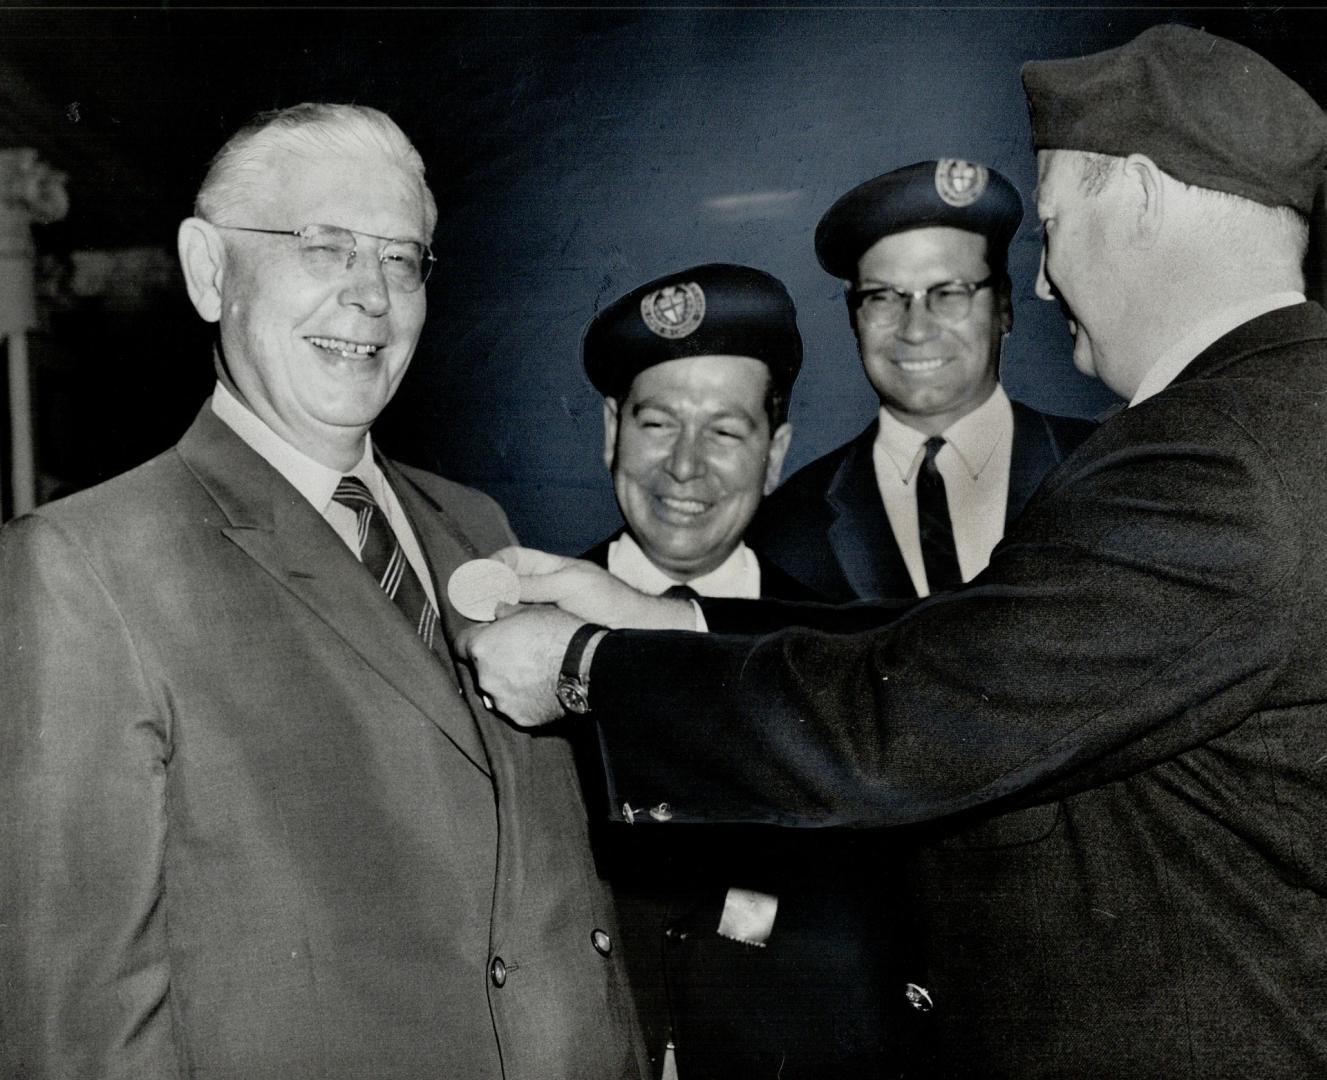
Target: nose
[(1045, 290), (365, 287), (917, 323), (686, 459)]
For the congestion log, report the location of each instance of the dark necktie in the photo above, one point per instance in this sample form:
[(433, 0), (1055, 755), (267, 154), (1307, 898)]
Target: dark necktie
[(680, 592), (382, 556), (933, 524)]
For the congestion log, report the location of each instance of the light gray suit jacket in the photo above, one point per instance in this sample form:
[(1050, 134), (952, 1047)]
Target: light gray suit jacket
[(250, 826)]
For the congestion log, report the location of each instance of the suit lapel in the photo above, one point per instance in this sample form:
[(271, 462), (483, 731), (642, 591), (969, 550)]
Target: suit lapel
[(278, 529), (509, 754), (1032, 455), (860, 536)]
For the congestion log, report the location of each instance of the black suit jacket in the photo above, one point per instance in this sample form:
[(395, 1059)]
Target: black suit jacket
[(826, 526), (826, 994), (1130, 704)]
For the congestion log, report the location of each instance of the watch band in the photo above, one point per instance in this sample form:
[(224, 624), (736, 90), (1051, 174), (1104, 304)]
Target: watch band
[(571, 659), (573, 686)]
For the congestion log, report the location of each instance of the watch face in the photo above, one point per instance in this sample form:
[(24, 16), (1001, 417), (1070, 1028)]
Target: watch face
[(572, 696)]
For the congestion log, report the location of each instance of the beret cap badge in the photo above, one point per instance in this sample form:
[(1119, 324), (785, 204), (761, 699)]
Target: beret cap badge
[(674, 311), (959, 183)]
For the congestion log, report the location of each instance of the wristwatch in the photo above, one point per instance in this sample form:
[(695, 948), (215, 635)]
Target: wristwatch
[(574, 679)]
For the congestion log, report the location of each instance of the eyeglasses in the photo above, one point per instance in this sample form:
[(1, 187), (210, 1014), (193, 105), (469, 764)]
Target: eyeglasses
[(328, 251), (885, 306)]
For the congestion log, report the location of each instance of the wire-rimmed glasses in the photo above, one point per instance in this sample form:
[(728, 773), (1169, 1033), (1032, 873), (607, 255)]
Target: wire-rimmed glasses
[(328, 251)]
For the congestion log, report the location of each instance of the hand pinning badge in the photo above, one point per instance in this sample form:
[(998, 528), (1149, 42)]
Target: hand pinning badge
[(477, 587)]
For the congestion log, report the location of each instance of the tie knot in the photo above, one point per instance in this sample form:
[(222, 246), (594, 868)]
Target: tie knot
[(933, 445), (351, 491)]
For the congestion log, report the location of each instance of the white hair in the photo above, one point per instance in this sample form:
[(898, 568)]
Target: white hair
[(1229, 218), (307, 129)]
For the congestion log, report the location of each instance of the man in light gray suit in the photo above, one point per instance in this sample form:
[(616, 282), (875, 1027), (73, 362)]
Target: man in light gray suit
[(253, 820)]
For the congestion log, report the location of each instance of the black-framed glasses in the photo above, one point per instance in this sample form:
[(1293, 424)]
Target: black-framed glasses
[(885, 305), (328, 251)]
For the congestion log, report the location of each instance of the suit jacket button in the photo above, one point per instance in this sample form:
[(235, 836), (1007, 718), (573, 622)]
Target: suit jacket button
[(662, 812), (603, 944), (918, 997), (497, 971)]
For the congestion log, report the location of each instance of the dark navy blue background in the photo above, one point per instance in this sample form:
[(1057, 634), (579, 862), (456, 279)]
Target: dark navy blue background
[(575, 153)]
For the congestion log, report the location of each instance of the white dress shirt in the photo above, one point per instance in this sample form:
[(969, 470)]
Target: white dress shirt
[(974, 463), (737, 577), (317, 483), (1169, 364)]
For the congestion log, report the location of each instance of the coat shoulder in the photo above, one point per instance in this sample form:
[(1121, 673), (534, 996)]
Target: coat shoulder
[(136, 508), (1062, 434), (802, 497)]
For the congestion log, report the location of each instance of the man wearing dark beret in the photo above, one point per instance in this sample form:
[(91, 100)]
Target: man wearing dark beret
[(696, 369), (759, 953), (915, 503), (1134, 690)]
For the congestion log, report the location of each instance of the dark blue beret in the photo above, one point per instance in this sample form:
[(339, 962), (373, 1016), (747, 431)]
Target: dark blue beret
[(1208, 111), (959, 194), (713, 310)]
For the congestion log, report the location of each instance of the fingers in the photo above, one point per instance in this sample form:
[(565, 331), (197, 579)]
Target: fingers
[(527, 561), (558, 585), (461, 644)]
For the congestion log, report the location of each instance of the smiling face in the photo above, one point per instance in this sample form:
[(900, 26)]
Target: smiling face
[(318, 360), (929, 372), (692, 454)]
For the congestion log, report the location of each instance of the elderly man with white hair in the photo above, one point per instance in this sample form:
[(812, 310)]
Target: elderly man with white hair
[(254, 822), (1119, 728)]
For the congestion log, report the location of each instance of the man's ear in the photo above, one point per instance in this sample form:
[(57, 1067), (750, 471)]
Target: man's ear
[(778, 450), (610, 432), (1146, 186), (203, 259), (848, 287)]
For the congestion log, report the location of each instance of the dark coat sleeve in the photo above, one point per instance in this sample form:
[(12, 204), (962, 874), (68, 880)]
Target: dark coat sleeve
[(1138, 609)]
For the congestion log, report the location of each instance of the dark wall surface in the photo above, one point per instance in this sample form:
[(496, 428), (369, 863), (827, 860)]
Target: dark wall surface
[(575, 153)]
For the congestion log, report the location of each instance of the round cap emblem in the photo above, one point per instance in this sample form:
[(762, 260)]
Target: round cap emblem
[(959, 183), (675, 310)]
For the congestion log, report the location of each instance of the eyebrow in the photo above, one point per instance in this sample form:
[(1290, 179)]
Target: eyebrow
[(728, 413)]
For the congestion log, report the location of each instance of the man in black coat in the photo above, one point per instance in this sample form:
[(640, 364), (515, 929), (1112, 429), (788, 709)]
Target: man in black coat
[(1131, 697), (915, 503), (754, 952)]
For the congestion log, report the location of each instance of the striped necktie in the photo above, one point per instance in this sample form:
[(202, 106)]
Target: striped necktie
[(383, 557)]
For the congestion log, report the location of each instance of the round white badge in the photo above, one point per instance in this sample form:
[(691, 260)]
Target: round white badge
[(959, 183), (477, 587), (675, 310)]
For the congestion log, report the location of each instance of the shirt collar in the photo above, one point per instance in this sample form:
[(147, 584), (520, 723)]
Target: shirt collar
[(1167, 367), (312, 479), (737, 577), (974, 437)]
